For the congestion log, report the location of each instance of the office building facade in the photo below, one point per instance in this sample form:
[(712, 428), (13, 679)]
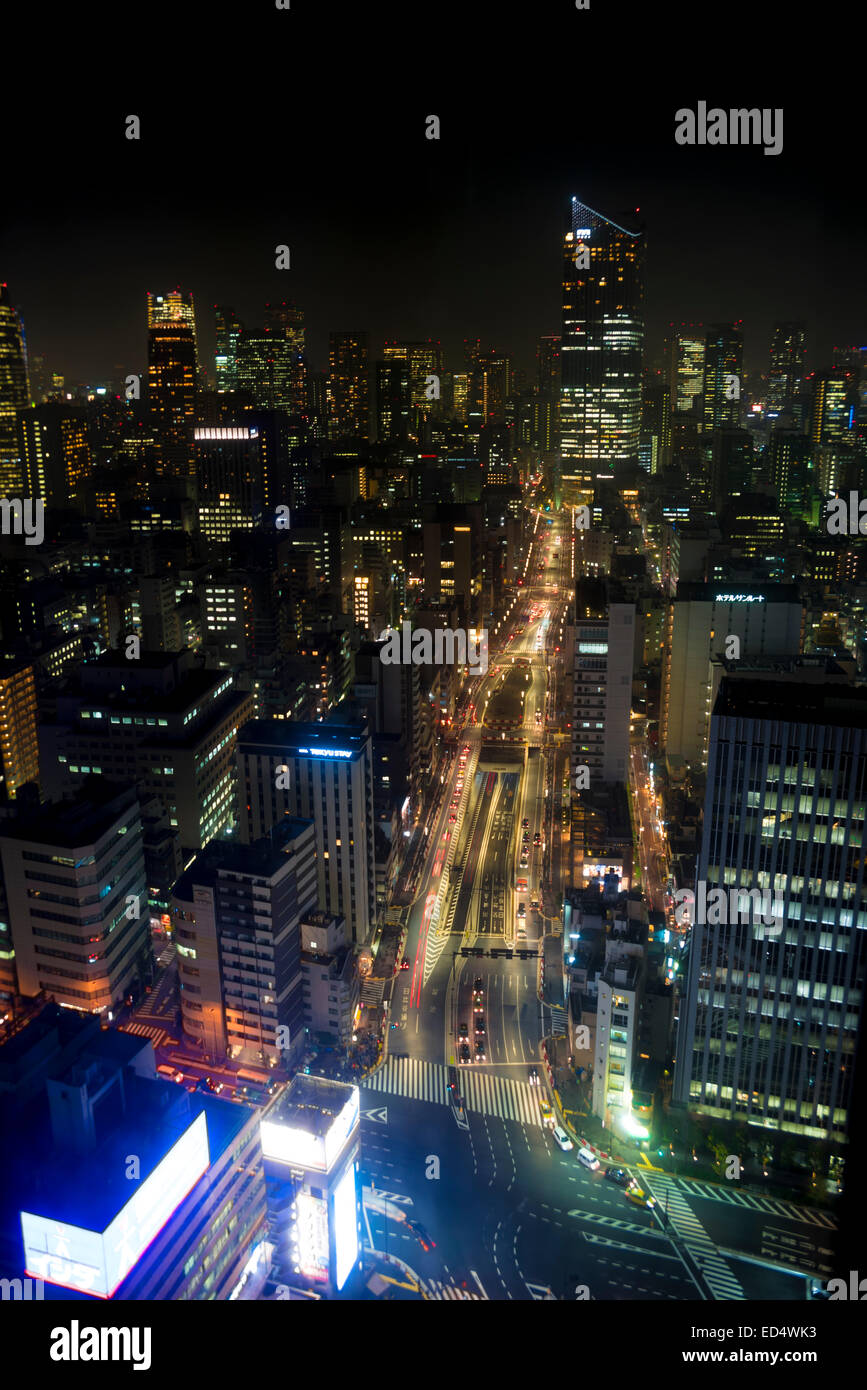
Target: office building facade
[(602, 346), (771, 1009), (324, 773)]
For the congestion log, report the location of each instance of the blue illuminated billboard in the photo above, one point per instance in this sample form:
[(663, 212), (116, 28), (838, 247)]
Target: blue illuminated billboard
[(97, 1262), (345, 1227)]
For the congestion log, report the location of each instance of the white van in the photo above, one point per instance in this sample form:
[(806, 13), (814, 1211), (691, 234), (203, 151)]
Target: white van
[(588, 1158), (562, 1138)]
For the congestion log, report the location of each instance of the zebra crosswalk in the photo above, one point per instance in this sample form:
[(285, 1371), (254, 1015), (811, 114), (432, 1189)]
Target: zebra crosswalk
[(434, 1288), (773, 1206), (158, 1035), (484, 1092), (713, 1268)]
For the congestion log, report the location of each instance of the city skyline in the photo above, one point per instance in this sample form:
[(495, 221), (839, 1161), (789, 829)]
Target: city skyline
[(433, 671)]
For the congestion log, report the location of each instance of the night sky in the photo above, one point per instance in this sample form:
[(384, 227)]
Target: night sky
[(307, 127)]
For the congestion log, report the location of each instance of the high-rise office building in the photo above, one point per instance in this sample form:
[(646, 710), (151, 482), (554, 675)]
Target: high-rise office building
[(173, 309), (324, 773), (348, 390), (229, 480), (55, 453), (683, 354), (766, 620), (19, 742), (602, 347), (237, 911), (425, 361), (229, 329), (786, 368), (655, 446), (604, 663), (723, 376), (172, 367), (14, 391), (87, 944), (771, 1009), (393, 401), (829, 415), (158, 721)]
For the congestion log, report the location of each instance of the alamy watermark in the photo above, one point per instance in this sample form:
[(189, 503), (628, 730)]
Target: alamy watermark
[(753, 126), (23, 516), (442, 647), (714, 907), (846, 518)]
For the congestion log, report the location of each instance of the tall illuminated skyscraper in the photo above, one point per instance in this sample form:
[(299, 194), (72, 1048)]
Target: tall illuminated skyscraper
[(229, 329), (828, 418), (723, 375), (172, 396), (602, 346), (786, 365), (348, 391), (14, 390), (684, 364), (173, 309)]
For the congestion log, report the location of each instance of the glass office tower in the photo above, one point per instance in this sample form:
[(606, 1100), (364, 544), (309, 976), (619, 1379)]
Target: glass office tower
[(602, 347), (770, 1013)]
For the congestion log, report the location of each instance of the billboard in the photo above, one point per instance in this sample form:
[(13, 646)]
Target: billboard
[(345, 1227), (293, 1144), (312, 1228), (96, 1262)]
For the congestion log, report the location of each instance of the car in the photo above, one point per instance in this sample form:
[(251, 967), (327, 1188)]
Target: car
[(534, 1076), (215, 1086), (547, 1112), (639, 1198), (171, 1072), (463, 1030), (534, 902), (618, 1175), (522, 910), (453, 1078), (524, 861), (404, 965), (424, 1238), (537, 838), (480, 1025), (464, 1052), (561, 1138), (525, 836), (525, 823), (452, 818), (522, 885), (481, 1054), (478, 987)]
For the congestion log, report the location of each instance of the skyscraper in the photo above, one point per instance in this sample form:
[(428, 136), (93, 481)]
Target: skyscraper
[(602, 346), (172, 387), (229, 328), (173, 310), (786, 365), (19, 742), (54, 451), (828, 418), (348, 391), (771, 1011), (393, 401), (723, 375), (683, 352), (14, 390), (324, 773)]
